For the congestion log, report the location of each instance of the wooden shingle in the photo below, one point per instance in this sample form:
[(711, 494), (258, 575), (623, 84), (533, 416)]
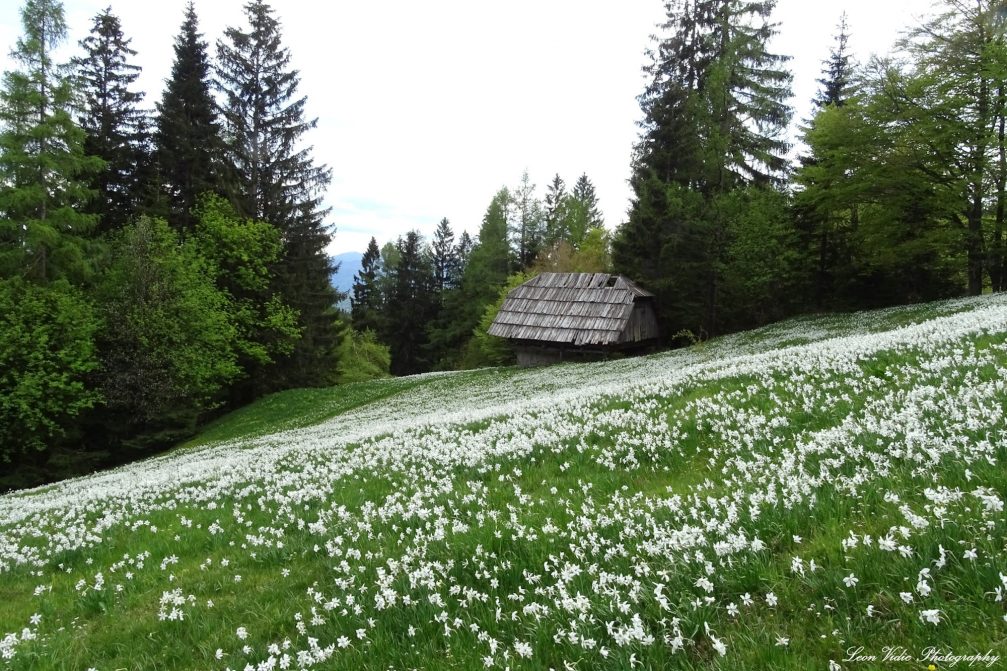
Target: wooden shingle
[(576, 309)]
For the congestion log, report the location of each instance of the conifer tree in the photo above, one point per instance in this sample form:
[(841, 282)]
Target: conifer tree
[(188, 146), (582, 211), (837, 77), (528, 222), (463, 250), (490, 261), (555, 212), (489, 264), (826, 225), (277, 180), (43, 167), (444, 259), (365, 301), (116, 128), (715, 117), (410, 306)]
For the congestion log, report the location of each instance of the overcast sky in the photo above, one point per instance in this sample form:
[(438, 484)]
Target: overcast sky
[(425, 109)]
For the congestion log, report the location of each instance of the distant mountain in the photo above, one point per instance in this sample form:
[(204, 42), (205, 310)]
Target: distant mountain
[(342, 279)]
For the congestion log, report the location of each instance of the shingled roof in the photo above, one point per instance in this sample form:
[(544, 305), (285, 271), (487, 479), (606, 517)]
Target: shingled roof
[(569, 308)]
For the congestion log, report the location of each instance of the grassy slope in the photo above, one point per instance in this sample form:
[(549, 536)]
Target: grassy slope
[(582, 506)]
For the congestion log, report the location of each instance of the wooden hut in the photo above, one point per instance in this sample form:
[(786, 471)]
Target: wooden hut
[(558, 315)]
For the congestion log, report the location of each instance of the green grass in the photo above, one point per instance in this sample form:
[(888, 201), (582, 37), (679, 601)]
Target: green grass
[(630, 464)]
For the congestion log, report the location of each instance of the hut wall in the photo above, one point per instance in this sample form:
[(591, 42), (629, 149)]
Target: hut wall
[(537, 356), (641, 325)]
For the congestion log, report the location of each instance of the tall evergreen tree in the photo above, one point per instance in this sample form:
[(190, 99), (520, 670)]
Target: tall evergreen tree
[(278, 181), (483, 268), (410, 306), (444, 258), (528, 222), (462, 252), (555, 212), (188, 145), (365, 301), (43, 167), (837, 77), (111, 117), (491, 260), (714, 121), (826, 225), (582, 211), (264, 120)]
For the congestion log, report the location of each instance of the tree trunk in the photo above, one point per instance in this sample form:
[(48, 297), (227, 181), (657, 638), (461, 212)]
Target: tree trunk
[(974, 241), (823, 244), (996, 265)]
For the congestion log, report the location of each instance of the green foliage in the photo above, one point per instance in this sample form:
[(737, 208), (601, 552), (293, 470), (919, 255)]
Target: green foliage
[(189, 149), (712, 126), (876, 226), (239, 255), (529, 222), (482, 269), (581, 212), (366, 299), (43, 169), (47, 352), (490, 261), (276, 180), (410, 306), (595, 252), (837, 77), (761, 258), (666, 246), (593, 255), (115, 126), (946, 107), (362, 357), (487, 350), (444, 259), (169, 346)]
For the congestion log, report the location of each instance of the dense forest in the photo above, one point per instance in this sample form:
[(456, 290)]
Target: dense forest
[(161, 265)]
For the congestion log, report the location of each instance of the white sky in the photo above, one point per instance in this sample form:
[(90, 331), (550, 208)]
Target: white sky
[(426, 109)]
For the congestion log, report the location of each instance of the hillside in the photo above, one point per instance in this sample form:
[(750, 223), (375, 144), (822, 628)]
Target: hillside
[(772, 499)]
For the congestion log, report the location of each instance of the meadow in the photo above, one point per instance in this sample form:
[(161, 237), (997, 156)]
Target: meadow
[(816, 494)]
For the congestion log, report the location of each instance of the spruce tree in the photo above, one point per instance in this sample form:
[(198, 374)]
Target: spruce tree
[(365, 301), (582, 211), (491, 260), (277, 180), (444, 258), (410, 306), (837, 76), (451, 324), (112, 119), (555, 212), (463, 250), (43, 166), (714, 121), (825, 219), (489, 264), (188, 146), (528, 222)]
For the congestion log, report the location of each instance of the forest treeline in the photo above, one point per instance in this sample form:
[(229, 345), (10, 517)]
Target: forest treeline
[(156, 265), (897, 195), (161, 265)]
